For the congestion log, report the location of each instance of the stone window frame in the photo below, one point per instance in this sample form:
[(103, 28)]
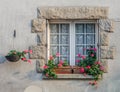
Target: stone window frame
[(106, 26)]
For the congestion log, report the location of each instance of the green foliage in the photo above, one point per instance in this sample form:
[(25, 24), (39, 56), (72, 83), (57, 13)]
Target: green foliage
[(90, 64), (49, 69), (65, 63), (51, 65)]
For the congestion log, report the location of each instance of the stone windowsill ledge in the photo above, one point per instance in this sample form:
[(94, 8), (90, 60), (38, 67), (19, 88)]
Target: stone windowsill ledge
[(71, 76)]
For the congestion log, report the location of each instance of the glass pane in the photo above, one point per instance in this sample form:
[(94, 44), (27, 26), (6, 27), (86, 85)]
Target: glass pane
[(54, 50), (54, 39), (64, 50), (79, 50), (54, 28), (64, 39), (90, 28), (65, 59), (90, 38), (64, 28), (79, 28), (79, 39)]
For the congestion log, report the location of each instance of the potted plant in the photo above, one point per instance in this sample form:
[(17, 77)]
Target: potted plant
[(14, 55)]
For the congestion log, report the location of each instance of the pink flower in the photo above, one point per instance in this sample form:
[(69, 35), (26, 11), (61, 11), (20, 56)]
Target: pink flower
[(51, 57), (77, 61), (46, 74), (30, 51), (45, 66), (57, 54), (59, 65), (94, 83), (29, 61), (101, 68), (25, 51), (92, 55), (88, 67), (23, 59), (95, 49), (79, 55), (82, 70), (83, 57), (98, 63), (61, 62)]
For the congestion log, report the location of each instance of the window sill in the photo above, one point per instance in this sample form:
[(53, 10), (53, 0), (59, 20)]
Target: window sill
[(71, 77)]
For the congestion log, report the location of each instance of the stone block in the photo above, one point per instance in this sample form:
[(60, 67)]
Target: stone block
[(107, 52), (111, 53), (73, 12), (105, 64), (38, 25), (39, 52), (103, 52), (41, 39), (104, 38), (107, 25), (39, 65)]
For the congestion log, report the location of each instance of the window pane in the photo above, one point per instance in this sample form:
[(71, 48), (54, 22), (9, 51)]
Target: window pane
[(79, 38), (64, 28), (90, 38), (64, 50), (90, 28), (54, 50), (85, 37), (59, 40), (64, 39), (79, 28), (54, 39), (65, 59), (79, 50), (54, 28)]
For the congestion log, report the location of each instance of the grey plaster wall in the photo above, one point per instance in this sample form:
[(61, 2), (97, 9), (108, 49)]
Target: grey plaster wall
[(15, 77)]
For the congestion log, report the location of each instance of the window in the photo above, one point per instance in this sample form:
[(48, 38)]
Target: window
[(71, 38)]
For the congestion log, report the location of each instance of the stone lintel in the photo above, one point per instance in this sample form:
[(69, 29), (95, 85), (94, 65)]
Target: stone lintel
[(70, 12)]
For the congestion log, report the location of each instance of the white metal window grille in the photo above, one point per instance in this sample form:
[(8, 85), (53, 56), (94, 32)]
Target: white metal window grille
[(59, 40), (84, 37), (70, 39)]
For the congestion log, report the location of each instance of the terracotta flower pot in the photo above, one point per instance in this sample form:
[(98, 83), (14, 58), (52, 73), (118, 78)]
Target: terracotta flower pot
[(13, 58)]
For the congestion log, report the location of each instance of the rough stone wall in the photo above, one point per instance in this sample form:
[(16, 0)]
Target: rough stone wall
[(106, 26)]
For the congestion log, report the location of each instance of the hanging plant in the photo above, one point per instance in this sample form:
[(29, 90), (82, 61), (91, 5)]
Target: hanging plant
[(14, 55)]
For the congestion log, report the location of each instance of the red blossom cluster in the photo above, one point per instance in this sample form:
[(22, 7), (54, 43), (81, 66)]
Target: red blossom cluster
[(24, 58)]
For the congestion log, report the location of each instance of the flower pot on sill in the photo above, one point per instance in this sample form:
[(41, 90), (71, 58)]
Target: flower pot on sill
[(13, 58), (67, 70)]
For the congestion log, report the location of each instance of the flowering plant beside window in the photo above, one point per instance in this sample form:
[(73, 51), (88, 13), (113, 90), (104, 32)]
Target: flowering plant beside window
[(49, 67), (15, 55), (89, 64)]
